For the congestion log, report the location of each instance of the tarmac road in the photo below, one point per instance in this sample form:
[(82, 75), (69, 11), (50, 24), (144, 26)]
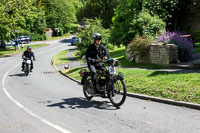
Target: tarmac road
[(47, 102)]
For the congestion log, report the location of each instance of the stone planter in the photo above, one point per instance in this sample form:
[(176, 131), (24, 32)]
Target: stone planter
[(158, 54)]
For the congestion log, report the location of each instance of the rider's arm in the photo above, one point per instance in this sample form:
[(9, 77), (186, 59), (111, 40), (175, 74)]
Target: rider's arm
[(106, 52), (23, 55), (89, 56)]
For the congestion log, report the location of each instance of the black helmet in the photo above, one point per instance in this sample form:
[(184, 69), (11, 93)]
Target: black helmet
[(28, 48), (97, 36)]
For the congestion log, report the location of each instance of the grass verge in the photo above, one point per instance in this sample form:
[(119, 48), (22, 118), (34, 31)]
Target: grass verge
[(171, 85), (60, 58), (11, 50), (197, 47)]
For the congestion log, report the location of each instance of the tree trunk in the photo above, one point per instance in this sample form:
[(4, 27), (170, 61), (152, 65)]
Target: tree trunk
[(3, 45)]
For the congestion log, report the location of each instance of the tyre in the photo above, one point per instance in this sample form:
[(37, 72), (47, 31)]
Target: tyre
[(87, 85), (118, 93), (26, 70)]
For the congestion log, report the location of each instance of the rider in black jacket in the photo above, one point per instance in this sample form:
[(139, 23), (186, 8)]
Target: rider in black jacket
[(28, 54), (94, 54)]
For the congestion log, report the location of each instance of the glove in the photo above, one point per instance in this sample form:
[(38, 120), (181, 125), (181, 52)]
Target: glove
[(98, 60), (110, 59)]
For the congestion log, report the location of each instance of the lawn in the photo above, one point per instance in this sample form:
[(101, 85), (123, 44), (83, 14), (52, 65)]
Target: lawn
[(11, 50), (172, 85), (60, 58), (197, 48)]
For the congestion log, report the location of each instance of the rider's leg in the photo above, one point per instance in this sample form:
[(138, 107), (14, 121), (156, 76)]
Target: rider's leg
[(22, 66), (93, 76), (31, 65)]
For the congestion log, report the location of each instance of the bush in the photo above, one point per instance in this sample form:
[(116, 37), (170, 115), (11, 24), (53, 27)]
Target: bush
[(94, 26), (197, 36), (139, 46), (37, 37), (148, 25), (74, 28), (143, 24), (185, 46)]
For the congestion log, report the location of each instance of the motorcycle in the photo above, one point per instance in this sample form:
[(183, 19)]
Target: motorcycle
[(109, 84), (27, 65)]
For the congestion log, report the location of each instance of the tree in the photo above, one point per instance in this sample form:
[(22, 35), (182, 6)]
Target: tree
[(13, 13), (60, 14), (102, 9), (125, 13)]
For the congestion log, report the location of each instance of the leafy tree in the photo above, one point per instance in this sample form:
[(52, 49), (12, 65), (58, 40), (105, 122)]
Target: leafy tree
[(168, 10), (14, 13), (125, 13), (94, 26), (103, 9), (60, 14)]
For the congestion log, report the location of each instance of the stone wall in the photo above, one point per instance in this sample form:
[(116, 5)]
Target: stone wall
[(163, 54), (159, 54)]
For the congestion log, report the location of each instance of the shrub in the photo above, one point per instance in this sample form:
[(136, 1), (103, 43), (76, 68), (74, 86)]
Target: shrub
[(197, 36), (93, 26), (148, 25), (185, 46), (143, 24), (139, 46)]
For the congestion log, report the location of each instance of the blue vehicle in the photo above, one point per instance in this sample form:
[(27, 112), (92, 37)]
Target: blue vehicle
[(11, 43), (26, 39), (75, 41)]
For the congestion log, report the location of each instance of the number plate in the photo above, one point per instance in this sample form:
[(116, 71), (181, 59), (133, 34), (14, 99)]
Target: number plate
[(112, 70), (28, 61)]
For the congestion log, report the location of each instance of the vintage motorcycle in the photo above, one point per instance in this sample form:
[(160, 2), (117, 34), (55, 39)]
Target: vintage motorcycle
[(27, 65), (109, 84)]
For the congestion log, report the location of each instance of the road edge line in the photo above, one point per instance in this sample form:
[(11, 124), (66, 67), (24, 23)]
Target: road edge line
[(144, 97), (58, 128)]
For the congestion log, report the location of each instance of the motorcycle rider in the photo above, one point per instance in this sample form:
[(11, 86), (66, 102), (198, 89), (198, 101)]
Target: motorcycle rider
[(28, 54), (94, 54)]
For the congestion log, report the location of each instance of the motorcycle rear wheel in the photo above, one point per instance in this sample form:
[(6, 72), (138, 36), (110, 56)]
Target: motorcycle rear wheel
[(87, 83), (117, 95)]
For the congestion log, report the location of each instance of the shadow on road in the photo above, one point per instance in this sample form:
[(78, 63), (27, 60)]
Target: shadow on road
[(18, 75), (76, 103), (66, 41)]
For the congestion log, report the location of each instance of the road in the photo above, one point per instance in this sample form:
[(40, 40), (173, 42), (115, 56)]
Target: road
[(47, 102)]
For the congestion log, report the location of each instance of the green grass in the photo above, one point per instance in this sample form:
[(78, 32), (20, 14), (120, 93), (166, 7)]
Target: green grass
[(59, 37), (74, 72), (60, 58), (11, 50), (171, 85), (197, 47)]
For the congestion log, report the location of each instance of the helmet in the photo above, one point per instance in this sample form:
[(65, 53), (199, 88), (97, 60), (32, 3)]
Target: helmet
[(28, 48), (97, 36)]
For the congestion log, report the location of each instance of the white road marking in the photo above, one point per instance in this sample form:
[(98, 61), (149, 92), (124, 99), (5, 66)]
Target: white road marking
[(62, 130)]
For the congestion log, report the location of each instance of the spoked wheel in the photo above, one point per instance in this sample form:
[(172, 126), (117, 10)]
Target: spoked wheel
[(87, 86), (26, 71), (118, 94)]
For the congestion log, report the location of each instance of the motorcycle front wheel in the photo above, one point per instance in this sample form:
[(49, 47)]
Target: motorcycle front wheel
[(26, 70), (117, 94)]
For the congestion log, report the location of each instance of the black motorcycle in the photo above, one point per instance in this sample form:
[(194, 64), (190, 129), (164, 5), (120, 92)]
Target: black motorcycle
[(27, 65), (109, 84)]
